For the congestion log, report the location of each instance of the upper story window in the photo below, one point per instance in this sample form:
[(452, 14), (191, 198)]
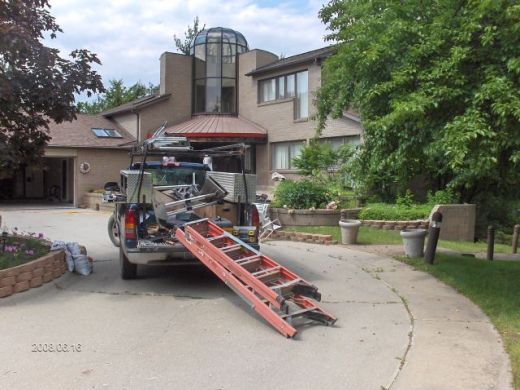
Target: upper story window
[(294, 85), (106, 133)]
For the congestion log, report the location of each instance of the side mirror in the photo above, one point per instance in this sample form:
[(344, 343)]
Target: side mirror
[(111, 186)]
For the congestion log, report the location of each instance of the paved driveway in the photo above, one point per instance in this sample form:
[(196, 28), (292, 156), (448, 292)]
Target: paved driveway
[(181, 328)]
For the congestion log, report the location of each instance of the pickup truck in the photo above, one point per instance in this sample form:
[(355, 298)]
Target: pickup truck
[(145, 240)]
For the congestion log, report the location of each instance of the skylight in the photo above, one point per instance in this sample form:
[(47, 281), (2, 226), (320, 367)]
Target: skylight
[(106, 133)]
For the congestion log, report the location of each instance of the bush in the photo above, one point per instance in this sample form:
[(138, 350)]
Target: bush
[(446, 196), (300, 195), (390, 212)]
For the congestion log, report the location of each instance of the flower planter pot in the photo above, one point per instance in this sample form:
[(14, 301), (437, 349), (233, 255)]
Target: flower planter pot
[(349, 231), (413, 242)]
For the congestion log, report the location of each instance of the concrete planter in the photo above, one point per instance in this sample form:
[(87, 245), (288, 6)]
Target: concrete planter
[(413, 241), (94, 200), (349, 231), (320, 217)]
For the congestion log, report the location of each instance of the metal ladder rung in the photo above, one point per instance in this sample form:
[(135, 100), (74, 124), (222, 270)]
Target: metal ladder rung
[(267, 270), (245, 260), (230, 248), (216, 237), (285, 285), (269, 274), (298, 313)]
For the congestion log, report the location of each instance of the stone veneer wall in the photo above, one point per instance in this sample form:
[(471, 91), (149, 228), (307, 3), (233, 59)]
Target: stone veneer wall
[(324, 239), (396, 225), (458, 221), (33, 274), (319, 217)]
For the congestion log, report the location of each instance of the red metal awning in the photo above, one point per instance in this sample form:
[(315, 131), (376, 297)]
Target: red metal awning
[(218, 126)]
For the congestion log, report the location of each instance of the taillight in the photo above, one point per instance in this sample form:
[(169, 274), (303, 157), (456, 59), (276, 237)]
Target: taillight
[(130, 224), (255, 217)]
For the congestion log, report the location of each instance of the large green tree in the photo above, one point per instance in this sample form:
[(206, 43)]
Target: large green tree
[(437, 83), (115, 95), (36, 83)]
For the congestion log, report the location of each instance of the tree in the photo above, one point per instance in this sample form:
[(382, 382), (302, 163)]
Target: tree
[(437, 84), (184, 46), (115, 95), (36, 84)]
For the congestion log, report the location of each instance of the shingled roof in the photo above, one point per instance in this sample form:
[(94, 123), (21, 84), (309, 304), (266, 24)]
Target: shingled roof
[(135, 104), (298, 59), (78, 133)]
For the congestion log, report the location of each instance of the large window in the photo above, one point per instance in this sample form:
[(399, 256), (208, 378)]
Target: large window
[(285, 87), (337, 142), (284, 152)]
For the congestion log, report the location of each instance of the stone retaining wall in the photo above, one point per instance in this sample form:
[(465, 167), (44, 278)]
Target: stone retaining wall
[(324, 239), (396, 225), (33, 274), (319, 217)]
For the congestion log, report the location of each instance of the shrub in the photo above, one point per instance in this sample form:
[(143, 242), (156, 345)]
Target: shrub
[(390, 212), (405, 200), (446, 196), (300, 195)]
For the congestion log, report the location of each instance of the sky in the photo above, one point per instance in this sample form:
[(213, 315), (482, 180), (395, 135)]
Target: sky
[(129, 35)]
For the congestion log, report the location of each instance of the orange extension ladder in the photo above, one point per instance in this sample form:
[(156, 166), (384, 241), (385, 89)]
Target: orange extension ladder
[(273, 291)]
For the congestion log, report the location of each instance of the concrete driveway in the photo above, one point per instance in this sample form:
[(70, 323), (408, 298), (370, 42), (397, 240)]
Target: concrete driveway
[(181, 328)]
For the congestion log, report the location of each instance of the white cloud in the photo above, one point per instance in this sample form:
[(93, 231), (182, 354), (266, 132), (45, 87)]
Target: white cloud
[(130, 35)]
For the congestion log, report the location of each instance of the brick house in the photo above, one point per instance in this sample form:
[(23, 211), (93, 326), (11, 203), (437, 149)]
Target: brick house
[(221, 93), (224, 93)]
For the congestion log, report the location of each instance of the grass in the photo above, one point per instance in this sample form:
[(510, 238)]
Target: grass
[(494, 286), (20, 250), (369, 236)]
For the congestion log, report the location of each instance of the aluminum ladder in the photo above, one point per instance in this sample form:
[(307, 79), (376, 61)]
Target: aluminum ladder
[(273, 291)]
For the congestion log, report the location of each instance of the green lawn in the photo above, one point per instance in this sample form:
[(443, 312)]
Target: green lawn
[(494, 286), (369, 236), (18, 250)]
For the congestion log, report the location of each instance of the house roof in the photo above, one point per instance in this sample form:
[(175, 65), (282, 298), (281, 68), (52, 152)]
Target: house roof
[(217, 126), (135, 104), (78, 133), (291, 61)]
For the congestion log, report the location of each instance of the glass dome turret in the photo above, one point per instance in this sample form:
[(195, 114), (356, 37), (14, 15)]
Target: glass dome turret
[(215, 52)]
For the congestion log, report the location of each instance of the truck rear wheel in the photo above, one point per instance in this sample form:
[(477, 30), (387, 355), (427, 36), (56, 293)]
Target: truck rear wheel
[(128, 270), (113, 231)]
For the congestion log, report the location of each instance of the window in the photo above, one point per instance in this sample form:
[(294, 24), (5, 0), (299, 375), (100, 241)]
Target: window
[(106, 133), (281, 88), (267, 90), (284, 152), (338, 142), (302, 95), (290, 86), (285, 87)]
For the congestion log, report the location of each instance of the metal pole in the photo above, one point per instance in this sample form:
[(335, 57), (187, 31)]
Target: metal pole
[(490, 242), (516, 234), (433, 237)]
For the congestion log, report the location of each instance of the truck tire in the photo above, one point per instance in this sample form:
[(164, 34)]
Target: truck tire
[(128, 270), (114, 231)]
